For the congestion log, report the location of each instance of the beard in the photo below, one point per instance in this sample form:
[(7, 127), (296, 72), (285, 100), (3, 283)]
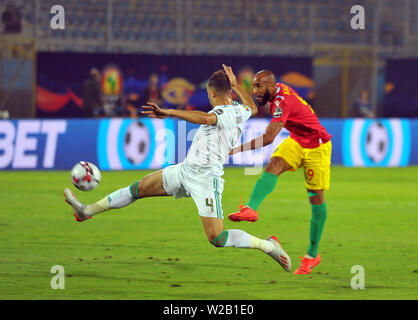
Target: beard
[(266, 98)]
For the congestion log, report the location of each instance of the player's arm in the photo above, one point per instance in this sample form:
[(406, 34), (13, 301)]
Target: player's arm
[(267, 138), (199, 117), (242, 94)]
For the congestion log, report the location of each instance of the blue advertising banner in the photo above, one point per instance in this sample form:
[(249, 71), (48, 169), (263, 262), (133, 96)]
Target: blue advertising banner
[(131, 144), (382, 142), (413, 155), (46, 144), (136, 144)]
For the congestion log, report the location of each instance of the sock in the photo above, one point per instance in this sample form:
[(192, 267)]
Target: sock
[(240, 239), (264, 186), (319, 215), (97, 207), (118, 199), (263, 245), (121, 198), (133, 188)]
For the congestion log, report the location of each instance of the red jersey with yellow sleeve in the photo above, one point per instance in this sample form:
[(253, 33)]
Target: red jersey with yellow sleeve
[(298, 117)]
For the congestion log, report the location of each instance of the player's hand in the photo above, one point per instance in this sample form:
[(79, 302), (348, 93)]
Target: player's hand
[(231, 76), (154, 111)]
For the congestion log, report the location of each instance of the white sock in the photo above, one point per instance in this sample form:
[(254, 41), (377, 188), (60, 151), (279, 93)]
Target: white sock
[(118, 199), (263, 245), (97, 207), (240, 239)]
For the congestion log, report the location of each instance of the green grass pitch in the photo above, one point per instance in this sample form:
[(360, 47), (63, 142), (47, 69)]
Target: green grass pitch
[(156, 248)]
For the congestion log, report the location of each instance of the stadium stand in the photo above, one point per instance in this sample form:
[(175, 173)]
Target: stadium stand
[(223, 27)]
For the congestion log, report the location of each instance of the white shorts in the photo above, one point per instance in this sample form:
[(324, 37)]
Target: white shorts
[(182, 180)]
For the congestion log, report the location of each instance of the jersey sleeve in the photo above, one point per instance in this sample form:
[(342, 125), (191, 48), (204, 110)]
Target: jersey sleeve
[(233, 115), (279, 111)]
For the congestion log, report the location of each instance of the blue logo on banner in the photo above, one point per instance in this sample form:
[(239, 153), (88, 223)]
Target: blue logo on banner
[(132, 144), (380, 142)]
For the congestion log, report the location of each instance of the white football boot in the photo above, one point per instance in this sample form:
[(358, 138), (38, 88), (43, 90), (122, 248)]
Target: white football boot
[(279, 254), (78, 207)]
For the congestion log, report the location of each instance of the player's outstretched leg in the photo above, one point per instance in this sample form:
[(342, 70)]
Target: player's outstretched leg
[(264, 186), (237, 238), (319, 216), (150, 186)]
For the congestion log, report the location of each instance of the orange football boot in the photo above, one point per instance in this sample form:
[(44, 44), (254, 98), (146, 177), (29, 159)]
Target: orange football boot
[(244, 214), (307, 265)]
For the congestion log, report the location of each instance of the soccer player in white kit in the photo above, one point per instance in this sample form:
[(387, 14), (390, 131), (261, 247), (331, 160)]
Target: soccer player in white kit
[(200, 175)]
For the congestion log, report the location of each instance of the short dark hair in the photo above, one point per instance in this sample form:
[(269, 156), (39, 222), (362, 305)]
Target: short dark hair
[(219, 82)]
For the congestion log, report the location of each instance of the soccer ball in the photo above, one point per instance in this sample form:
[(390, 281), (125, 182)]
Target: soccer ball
[(137, 143), (377, 143), (85, 176)]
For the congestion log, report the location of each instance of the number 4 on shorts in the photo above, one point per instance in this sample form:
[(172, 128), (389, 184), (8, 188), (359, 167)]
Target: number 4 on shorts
[(209, 203)]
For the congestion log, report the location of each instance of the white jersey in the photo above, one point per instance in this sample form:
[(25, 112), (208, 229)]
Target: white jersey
[(212, 143)]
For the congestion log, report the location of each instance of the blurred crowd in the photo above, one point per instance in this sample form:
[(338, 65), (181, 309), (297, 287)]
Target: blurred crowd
[(11, 19), (130, 103), (363, 106), (127, 105)]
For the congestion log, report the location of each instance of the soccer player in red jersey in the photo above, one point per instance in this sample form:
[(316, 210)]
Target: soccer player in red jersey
[(308, 146)]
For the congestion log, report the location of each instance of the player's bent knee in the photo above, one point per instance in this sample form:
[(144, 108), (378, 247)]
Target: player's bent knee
[(277, 166), (137, 190), (219, 240), (141, 189), (134, 189)]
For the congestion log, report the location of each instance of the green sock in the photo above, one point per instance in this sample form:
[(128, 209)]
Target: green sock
[(264, 186), (319, 215)]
